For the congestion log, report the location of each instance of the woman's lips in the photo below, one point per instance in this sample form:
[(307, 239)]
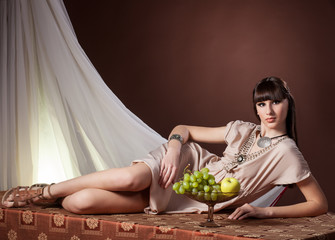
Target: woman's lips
[(270, 120)]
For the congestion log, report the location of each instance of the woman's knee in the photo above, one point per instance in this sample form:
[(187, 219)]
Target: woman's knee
[(137, 178), (80, 202)]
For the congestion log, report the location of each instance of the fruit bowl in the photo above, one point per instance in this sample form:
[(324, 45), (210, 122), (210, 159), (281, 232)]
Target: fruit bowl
[(210, 199), (201, 186)]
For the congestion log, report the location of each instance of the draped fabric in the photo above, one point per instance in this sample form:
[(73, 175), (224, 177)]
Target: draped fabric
[(58, 117)]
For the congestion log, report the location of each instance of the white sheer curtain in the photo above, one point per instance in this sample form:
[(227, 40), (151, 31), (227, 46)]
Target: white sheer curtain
[(58, 118)]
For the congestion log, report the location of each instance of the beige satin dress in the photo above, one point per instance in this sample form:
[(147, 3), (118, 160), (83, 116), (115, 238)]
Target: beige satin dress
[(279, 165)]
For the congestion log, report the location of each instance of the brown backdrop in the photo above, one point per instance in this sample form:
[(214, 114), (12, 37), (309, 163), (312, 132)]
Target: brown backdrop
[(196, 62)]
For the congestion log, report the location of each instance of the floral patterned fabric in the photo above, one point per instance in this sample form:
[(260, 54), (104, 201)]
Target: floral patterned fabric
[(53, 222)]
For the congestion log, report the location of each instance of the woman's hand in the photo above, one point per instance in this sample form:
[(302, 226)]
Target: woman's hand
[(170, 162), (169, 167), (247, 210)]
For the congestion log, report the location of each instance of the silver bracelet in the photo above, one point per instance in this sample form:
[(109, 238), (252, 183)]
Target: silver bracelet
[(177, 137)]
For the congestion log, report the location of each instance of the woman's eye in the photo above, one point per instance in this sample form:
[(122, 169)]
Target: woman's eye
[(276, 101), (260, 104)]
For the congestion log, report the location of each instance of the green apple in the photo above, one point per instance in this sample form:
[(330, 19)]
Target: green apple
[(229, 185)]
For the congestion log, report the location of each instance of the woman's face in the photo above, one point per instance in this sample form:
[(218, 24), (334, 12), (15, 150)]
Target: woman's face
[(272, 114)]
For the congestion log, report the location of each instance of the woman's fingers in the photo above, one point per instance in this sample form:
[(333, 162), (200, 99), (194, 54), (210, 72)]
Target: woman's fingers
[(168, 168), (165, 176), (236, 214), (163, 172), (162, 175), (247, 211), (171, 177), (243, 216), (242, 212)]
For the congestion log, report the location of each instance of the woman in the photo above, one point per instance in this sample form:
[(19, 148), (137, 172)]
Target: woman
[(259, 156)]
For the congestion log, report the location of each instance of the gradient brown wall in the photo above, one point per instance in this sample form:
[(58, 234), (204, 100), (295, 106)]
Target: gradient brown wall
[(196, 62)]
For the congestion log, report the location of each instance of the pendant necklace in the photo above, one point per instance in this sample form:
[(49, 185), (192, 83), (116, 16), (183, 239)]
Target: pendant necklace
[(243, 154), (264, 142)]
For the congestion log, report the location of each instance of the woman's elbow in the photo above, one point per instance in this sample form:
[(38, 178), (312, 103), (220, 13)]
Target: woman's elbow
[(321, 207), (324, 207), (324, 204)]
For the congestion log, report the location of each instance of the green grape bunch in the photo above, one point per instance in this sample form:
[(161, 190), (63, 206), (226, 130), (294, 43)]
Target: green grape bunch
[(199, 183)]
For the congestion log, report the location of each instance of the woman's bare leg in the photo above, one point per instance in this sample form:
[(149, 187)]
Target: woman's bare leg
[(133, 178), (98, 201)]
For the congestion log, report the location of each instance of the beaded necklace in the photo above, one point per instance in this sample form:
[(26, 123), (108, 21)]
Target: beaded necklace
[(243, 154)]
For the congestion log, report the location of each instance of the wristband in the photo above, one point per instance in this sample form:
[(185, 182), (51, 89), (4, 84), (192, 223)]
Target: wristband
[(177, 137)]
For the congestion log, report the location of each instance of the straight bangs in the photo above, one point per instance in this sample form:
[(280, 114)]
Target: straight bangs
[(268, 91)]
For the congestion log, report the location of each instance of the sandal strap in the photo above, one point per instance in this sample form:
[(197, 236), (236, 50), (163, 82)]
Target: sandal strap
[(24, 194), (19, 194), (48, 189), (51, 196)]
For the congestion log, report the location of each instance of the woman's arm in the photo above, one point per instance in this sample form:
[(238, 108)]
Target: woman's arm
[(170, 162), (200, 134), (315, 204)]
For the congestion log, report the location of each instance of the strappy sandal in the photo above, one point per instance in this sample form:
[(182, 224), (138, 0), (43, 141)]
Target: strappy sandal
[(40, 188), (25, 195)]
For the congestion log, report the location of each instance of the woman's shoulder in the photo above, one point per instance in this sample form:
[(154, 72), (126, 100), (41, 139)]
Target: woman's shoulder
[(241, 124), (289, 163), (238, 130), (288, 144), (289, 148)]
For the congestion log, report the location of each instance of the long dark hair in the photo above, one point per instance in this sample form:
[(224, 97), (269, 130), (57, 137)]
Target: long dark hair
[(274, 88)]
